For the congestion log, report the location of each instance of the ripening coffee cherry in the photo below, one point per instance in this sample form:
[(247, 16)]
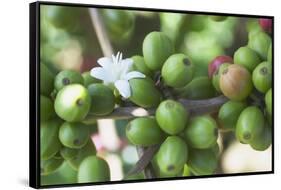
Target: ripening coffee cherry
[(202, 161), (201, 132), (49, 138), (268, 101), (49, 166), (93, 169), (171, 117), (266, 24), (156, 48), (46, 80), (247, 57), (198, 88), (102, 99), (218, 18), (73, 103), (229, 114), (262, 141), (144, 132), (67, 77), (236, 82), (88, 150), (269, 54), (172, 155), (177, 70), (88, 79), (217, 75), (144, 92), (262, 77), (139, 65), (249, 124), (260, 42), (215, 64), (68, 153), (46, 108), (74, 135)]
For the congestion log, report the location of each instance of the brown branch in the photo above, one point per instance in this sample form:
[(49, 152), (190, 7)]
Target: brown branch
[(195, 107)]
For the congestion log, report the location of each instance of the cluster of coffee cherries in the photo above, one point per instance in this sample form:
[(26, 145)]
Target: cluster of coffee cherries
[(65, 101), (190, 143)]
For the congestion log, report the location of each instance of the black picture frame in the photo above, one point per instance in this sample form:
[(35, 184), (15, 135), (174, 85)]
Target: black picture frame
[(34, 93)]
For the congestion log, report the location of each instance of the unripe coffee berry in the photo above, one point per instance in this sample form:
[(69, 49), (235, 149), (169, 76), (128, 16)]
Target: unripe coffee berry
[(249, 124), (171, 117), (201, 132), (236, 82), (260, 42), (67, 77), (177, 70), (144, 132), (73, 103), (172, 155), (156, 48), (102, 99), (262, 77), (246, 57)]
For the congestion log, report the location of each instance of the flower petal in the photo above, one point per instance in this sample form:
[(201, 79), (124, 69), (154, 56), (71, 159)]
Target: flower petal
[(105, 62), (134, 74), (123, 87), (100, 73)]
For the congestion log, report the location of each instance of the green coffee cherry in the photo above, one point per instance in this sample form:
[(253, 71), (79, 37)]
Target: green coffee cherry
[(68, 153), (156, 48), (144, 132), (93, 169), (260, 42), (88, 79), (139, 65), (263, 140), (88, 150), (268, 101), (218, 18), (269, 54), (46, 108), (67, 77), (144, 93), (202, 161), (229, 113), (216, 76), (102, 99), (198, 88), (50, 166), (49, 141), (171, 117), (64, 17), (250, 124), (247, 57), (46, 80), (201, 132), (73, 103), (119, 24), (74, 135), (172, 155), (177, 70), (262, 77)]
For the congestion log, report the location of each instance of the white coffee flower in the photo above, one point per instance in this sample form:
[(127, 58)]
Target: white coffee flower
[(115, 71)]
